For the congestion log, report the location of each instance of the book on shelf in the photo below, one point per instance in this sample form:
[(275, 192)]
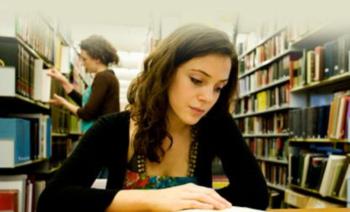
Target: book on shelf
[(40, 133), (8, 200), (23, 73), (305, 166), (14, 142), (331, 174), (317, 165), (309, 122), (339, 189), (338, 115), (18, 183), (42, 82), (319, 63)]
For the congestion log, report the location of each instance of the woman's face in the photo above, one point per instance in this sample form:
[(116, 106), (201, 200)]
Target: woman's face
[(196, 87), (89, 63)]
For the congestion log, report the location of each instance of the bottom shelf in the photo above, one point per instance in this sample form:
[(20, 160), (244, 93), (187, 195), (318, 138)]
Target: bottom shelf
[(302, 200)]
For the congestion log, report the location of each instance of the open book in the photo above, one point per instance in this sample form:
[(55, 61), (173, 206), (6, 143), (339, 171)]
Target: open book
[(231, 209)]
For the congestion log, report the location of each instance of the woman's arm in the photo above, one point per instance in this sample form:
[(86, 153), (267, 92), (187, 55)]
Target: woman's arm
[(247, 184), (92, 109), (67, 86), (60, 101), (70, 188)]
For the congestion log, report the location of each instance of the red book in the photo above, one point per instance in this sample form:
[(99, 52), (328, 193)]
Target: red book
[(8, 200)]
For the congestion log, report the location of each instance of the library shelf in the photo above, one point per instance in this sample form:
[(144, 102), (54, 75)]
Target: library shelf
[(268, 37)]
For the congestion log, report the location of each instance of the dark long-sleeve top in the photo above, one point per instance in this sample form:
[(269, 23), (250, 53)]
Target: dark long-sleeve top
[(106, 144), (104, 97)]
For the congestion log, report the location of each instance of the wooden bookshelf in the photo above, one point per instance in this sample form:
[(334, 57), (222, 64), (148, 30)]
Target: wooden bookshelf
[(35, 160), (269, 148), (319, 98), (315, 193)]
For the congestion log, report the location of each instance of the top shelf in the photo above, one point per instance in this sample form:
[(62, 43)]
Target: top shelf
[(30, 49), (261, 42), (321, 35)]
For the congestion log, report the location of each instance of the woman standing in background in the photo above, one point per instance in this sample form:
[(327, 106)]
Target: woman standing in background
[(100, 98)]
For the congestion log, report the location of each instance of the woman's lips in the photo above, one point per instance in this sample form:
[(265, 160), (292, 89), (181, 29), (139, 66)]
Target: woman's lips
[(197, 111)]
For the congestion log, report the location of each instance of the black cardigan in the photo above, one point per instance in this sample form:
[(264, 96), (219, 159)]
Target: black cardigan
[(106, 145)]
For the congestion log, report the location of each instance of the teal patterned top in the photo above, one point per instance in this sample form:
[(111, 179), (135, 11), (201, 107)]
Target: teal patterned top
[(135, 180), (86, 124)]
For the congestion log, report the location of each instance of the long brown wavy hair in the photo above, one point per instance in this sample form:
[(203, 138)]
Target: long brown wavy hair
[(148, 93)]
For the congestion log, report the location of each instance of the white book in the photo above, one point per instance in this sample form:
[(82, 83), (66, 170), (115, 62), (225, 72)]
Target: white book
[(8, 81), (342, 191), (330, 175), (65, 64), (46, 87), (37, 85), (42, 82)]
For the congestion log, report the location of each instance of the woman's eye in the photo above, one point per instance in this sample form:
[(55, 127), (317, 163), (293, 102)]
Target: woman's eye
[(218, 90), (195, 81)]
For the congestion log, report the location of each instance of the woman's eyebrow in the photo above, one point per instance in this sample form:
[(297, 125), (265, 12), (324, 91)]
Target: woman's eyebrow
[(206, 74)]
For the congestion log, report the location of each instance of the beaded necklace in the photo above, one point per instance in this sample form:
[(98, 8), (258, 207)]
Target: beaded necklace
[(141, 165)]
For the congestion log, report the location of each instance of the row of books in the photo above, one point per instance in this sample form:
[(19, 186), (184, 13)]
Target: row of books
[(20, 193), (265, 76), (322, 62), (25, 70), (272, 98), (265, 29), (273, 47), (271, 124), (62, 120), (24, 139), (327, 121), (274, 174), (320, 172), (309, 122), (62, 147), (273, 148), (34, 31), (339, 116)]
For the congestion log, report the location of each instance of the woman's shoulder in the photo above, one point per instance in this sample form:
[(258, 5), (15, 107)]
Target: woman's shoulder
[(117, 119), (106, 75), (122, 116)]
